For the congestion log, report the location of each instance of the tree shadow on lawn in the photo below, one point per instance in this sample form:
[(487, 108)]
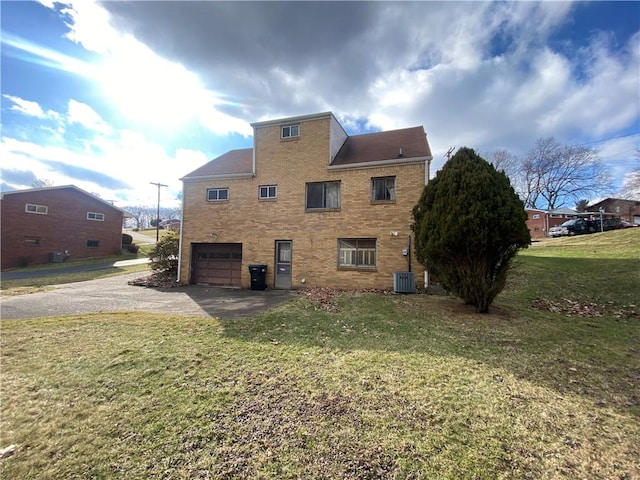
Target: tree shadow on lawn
[(596, 357)]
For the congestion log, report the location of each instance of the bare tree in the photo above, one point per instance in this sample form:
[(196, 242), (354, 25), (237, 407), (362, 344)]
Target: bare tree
[(42, 183), (631, 186), (552, 175)]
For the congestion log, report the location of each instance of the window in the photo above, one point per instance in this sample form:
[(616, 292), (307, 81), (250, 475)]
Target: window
[(268, 191), (217, 194), (323, 195), (93, 243), (40, 209), (536, 216), (357, 252), (95, 216), (383, 189), (32, 241), (290, 131)]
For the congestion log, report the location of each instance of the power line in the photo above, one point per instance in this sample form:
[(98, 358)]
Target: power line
[(607, 139)]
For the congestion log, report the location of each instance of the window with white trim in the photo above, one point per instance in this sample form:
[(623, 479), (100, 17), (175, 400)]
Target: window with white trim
[(383, 189), (536, 216), (39, 209), (217, 194), (357, 253), (290, 131), (98, 217), (268, 192), (322, 195)]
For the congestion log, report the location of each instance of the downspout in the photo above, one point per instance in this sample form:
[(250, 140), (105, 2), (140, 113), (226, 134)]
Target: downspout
[(427, 174), (181, 232)]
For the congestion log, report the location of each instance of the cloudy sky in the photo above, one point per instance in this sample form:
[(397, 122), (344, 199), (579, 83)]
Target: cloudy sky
[(110, 96)]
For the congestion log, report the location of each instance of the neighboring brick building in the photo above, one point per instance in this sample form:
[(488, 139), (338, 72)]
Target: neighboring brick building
[(318, 207), (41, 225), (627, 210), (540, 221)]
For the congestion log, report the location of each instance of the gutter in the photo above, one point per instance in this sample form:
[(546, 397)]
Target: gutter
[(381, 163)]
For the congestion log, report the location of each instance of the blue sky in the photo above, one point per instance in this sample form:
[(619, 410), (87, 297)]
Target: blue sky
[(110, 96)]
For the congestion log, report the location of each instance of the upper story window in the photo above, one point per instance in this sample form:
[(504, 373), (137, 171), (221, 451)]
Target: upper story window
[(536, 216), (357, 253), (290, 131), (95, 216), (40, 209), (268, 192), (217, 194), (323, 195), (383, 189)]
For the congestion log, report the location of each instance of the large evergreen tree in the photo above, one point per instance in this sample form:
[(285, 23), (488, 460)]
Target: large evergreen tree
[(468, 226)]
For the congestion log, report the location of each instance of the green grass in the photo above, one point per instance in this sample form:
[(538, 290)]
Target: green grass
[(386, 386), (23, 286)]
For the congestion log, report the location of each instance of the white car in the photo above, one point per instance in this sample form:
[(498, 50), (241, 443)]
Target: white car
[(555, 231)]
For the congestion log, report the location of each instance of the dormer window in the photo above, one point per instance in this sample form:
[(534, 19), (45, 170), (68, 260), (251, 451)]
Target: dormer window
[(290, 131)]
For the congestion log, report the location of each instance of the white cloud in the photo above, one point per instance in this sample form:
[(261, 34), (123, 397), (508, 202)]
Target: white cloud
[(26, 107), (85, 115)]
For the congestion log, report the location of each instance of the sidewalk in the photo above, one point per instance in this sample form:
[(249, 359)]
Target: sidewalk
[(78, 268)]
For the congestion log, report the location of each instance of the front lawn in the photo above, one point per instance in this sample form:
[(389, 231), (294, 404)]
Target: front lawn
[(374, 386)]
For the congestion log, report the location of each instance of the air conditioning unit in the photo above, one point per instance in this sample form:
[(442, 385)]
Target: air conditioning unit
[(404, 282)]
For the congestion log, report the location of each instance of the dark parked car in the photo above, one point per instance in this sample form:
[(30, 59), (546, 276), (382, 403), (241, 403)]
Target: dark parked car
[(579, 226)]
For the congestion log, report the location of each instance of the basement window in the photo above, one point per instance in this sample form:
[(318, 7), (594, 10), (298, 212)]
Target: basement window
[(39, 209), (93, 243), (357, 253)]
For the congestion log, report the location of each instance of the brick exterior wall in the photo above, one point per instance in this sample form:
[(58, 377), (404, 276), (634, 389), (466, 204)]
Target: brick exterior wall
[(537, 223), (627, 210), (64, 228), (257, 224)]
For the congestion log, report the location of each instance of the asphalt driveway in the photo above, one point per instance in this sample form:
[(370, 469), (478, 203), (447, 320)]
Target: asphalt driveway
[(114, 294)]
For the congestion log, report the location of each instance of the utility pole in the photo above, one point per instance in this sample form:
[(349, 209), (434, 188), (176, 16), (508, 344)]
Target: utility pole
[(158, 210), (449, 152)]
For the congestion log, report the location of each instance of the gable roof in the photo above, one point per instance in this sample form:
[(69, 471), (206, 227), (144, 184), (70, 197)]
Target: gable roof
[(235, 162), (391, 146), (64, 187), (383, 146)]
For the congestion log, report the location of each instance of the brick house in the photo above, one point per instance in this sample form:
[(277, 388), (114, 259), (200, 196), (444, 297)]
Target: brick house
[(540, 221), (41, 225), (627, 210), (316, 206)]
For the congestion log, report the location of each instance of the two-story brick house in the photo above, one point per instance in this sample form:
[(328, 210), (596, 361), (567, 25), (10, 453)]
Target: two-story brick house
[(318, 207), (41, 225)]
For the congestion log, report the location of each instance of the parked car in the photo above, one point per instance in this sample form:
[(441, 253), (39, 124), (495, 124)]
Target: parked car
[(555, 231), (578, 226), (624, 224)]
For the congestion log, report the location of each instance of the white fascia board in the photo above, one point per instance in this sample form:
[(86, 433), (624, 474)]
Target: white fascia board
[(300, 118), (381, 163), (229, 176)]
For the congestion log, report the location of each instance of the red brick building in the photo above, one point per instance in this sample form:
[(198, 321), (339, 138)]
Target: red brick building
[(42, 225), (540, 221), (627, 210)]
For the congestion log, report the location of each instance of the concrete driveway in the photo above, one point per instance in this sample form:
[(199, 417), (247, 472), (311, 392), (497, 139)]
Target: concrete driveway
[(114, 294)]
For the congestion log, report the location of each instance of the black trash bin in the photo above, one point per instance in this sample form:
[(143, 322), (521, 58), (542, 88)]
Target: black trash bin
[(258, 277)]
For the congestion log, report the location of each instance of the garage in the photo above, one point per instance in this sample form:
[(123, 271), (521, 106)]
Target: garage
[(217, 264)]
